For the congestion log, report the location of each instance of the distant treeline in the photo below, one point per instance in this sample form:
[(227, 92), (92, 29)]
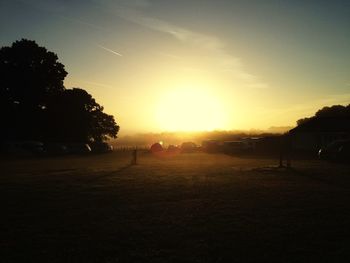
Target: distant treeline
[(176, 138), (339, 112)]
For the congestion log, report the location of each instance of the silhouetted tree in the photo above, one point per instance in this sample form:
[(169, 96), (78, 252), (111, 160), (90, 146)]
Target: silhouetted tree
[(303, 120), (29, 75), (335, 111), (74, 115), (35, 105)]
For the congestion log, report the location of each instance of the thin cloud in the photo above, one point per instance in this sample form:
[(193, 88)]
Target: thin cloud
[(258, 85), (50, 6), (98, 84), (169, 55), (336, 99), (110, 50), (211, 44), (84, 23), (306, 109), (111, 4)]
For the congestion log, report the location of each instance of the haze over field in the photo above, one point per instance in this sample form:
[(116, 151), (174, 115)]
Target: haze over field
[(174, 131), (195, 65)]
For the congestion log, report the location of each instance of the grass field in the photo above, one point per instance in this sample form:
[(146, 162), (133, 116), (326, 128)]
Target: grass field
[(187, 208)]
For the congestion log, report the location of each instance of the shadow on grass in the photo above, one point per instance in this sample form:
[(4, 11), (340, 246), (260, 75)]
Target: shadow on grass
[(328, 179), (109, 174)]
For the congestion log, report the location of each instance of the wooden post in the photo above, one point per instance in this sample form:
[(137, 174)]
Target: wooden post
[(289, 151), (281, 160), (281, 152), (134, 157)]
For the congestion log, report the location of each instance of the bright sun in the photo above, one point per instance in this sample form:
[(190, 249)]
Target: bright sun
[(189, 109)]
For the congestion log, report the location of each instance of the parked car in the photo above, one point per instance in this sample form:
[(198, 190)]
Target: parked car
[(78, 148), (188, 147), (101, 147), (55, 148), (156, 148), (211, 146), (23, 148), (173, 149), (337, 151), (235, 147), (344, 152)]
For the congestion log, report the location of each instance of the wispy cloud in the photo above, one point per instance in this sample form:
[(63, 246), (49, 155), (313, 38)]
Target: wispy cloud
[(110, 50), (72, 82), (98, 84), (343, 99), (318, 103), (211, 44), (84, 23), (52, 6), (306, 109), (111, 4), (169, 55)]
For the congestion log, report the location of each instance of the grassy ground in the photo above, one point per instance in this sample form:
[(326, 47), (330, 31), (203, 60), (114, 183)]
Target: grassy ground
[(187, 208)]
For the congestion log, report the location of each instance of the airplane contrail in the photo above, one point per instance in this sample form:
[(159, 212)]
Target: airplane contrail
[(110, 50)]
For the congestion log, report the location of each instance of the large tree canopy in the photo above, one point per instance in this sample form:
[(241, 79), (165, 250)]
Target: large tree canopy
[(29, 73), (74, 115), (35, 105), (335, 111)]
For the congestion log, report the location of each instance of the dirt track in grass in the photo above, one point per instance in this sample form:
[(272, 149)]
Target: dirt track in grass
[(185, 208)]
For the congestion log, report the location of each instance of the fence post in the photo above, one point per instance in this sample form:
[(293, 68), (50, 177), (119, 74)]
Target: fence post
[(281, 146), (134, 156)]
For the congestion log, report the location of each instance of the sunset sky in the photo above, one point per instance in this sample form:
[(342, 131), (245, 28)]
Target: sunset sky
[(161, 65)]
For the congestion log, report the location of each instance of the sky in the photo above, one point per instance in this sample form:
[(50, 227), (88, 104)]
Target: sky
[(162, 65)]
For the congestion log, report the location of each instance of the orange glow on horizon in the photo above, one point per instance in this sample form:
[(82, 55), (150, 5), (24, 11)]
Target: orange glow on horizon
[(189, 109)]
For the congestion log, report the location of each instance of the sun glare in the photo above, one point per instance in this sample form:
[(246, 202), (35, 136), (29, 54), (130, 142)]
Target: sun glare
[(189, 109)]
